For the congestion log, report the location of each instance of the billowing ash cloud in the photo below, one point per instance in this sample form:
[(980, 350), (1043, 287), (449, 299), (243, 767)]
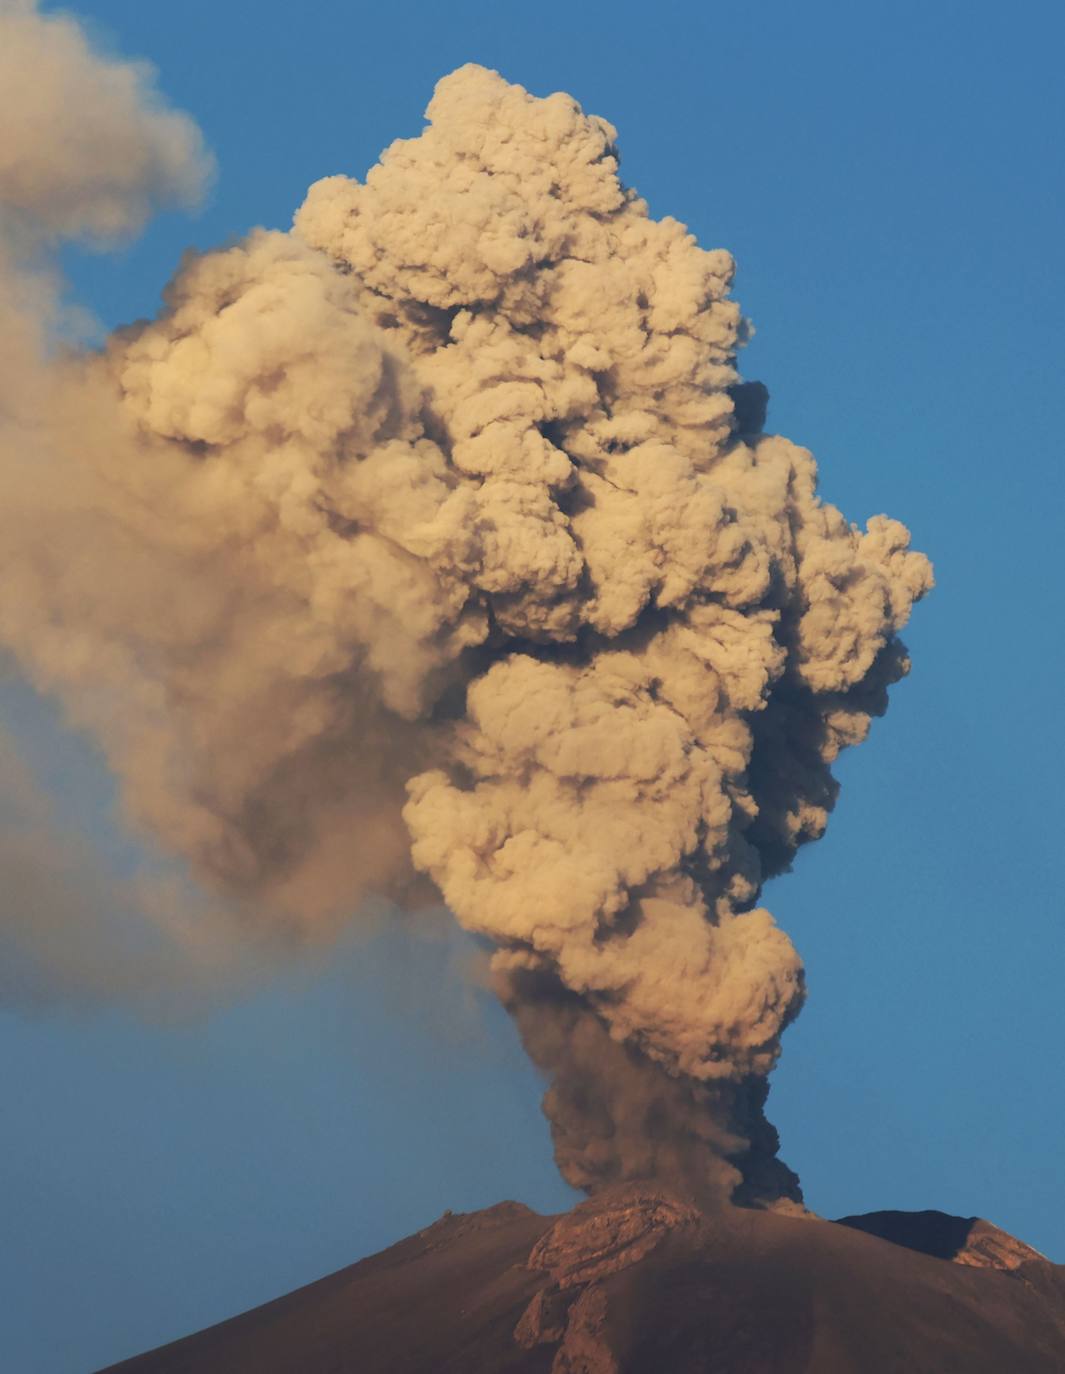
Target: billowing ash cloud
[(447, 513)]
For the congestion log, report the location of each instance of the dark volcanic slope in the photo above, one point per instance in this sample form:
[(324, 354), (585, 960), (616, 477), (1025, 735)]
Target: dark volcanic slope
[(447, 1298), (639, 1281)]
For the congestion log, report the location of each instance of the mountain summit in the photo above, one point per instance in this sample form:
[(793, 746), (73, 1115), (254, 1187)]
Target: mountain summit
[(639, 1279)]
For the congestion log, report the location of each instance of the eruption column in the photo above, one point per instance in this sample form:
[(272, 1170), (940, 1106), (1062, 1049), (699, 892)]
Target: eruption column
[(448, 510)]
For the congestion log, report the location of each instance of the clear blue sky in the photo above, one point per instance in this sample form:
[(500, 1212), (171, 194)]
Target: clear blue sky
[(888, 176)]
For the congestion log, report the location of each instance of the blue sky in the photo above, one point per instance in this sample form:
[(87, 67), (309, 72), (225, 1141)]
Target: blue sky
[(888, 177)]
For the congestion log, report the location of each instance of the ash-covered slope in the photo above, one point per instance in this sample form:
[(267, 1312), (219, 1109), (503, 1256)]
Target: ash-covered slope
[(639, 1280)]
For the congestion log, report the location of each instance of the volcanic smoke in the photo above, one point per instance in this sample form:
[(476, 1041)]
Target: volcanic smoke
[(439, 535)]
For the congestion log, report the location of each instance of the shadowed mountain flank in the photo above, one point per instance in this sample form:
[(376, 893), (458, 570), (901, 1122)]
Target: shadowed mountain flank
[(963, 1240), (639, 1280)]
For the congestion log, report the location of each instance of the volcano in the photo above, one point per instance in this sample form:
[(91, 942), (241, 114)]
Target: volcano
[(638, 1280)]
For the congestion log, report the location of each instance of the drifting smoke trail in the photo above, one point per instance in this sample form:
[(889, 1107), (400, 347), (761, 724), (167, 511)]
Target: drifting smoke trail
[(453, 492)]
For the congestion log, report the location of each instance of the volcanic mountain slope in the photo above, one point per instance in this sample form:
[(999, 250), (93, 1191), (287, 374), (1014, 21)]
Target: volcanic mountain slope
[(639, 1280)]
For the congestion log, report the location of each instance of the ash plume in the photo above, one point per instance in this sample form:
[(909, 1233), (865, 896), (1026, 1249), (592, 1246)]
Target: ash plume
[(438, 537)]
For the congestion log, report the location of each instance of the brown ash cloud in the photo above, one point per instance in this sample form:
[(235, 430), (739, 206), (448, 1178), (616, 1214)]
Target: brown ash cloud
[(438, 538)]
